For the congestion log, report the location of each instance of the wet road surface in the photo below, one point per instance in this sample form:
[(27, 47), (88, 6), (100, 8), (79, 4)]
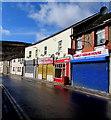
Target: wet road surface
[(41, 101)]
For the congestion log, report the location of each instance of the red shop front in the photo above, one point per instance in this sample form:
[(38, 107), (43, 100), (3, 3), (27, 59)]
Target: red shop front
[(62, 70)]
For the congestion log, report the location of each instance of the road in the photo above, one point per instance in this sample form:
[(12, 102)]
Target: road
[(39, 100)]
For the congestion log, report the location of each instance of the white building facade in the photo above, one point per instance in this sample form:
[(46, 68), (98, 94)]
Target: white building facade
[(16, 66), (45, 52)]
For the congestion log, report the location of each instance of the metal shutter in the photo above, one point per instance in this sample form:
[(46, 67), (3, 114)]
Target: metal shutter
[(91, 75)]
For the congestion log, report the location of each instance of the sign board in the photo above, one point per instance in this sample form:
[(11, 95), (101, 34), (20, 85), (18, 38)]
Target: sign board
[(100, 53), (61, 60), (70, 51), (45, 60)]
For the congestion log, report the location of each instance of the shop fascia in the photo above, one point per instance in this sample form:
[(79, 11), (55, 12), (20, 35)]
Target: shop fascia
[(94, 54), (51, 60)]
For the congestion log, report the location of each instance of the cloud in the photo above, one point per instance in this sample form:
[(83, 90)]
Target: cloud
[(4, 31), (59, 14)]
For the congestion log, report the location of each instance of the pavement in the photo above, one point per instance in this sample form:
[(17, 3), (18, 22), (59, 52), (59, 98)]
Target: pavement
[(88, 92)]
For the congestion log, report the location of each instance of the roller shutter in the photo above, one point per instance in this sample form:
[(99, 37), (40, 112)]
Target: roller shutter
[(91, 75), (29, 69)]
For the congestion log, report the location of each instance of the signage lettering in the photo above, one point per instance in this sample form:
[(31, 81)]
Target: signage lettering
[(92, 54), (46, 60)]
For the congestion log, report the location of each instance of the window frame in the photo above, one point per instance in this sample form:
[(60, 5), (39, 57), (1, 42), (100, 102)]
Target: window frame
[(59, 46), (100, 31), (79, 39), (30, 54), (36, 53), (45, 50)]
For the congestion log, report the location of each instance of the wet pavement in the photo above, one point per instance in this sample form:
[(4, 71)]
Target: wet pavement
[(39, 100)]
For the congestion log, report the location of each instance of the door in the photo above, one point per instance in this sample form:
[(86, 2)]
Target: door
[(44, 75), (91, 75)]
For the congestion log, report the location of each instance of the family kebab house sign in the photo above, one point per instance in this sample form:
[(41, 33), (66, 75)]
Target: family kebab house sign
[(92, 54)]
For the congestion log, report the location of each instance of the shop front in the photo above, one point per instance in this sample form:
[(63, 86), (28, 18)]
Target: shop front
[(29, 68), (45, 69), (91, 70), (62, 70)]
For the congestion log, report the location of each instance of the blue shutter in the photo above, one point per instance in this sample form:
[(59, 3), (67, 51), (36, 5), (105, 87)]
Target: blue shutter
[(91, 75)]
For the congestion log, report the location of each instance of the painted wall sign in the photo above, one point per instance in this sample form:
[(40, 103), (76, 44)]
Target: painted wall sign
[(100, 53), (45, 60), (62, 60)]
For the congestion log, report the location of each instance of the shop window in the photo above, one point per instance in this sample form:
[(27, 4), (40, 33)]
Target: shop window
[(45, 50), (100, 37), (58, 73), (30, 53), (59, 70), (79, 43), (60, 45)]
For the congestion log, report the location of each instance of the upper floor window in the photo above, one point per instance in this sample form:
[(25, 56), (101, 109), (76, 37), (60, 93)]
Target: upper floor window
[(13, 68), (100, 37), (45, 50), (36, 53), (30, 53), (60, 45), (79, 43)]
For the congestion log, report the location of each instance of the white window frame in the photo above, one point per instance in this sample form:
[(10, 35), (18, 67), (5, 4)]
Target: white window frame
[(45, 50), (79, 43), (36, 53), (100, 41), (30, 53), (59, 46)]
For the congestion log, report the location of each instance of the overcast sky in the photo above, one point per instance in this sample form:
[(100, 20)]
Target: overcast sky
[(33, 21)]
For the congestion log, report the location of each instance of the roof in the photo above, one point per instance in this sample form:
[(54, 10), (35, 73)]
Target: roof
[(94, 24)]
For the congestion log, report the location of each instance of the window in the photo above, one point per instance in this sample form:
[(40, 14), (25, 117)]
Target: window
[(19, 69), (60, 45), (30, 52), (13, 68), (36, 53), (18, 59), (60, 70), (45, 50), (100, 37), (79, 43)]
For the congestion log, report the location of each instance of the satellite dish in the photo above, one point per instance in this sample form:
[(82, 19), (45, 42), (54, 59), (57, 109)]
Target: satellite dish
[(103, 10)]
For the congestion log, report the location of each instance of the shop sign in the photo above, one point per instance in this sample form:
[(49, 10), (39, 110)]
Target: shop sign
[(101, 53), (62, 60), (45, 60), (70, 51)]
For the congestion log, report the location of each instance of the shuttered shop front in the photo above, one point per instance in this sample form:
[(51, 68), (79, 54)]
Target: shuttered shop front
[(29, 68), (92, 74)]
